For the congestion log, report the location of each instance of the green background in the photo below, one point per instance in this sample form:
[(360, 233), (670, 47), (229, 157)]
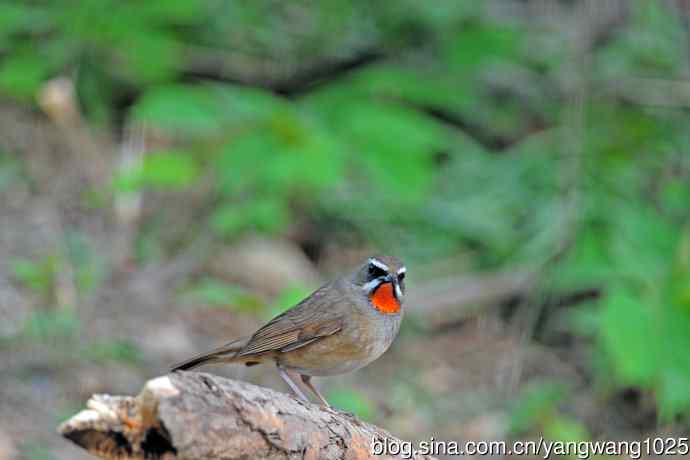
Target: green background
[(142, 140)]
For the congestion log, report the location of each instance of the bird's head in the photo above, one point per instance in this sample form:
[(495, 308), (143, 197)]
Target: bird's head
[(382, 278)]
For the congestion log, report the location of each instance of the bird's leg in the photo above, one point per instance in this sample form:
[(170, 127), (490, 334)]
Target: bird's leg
[(292, 384), (307, 381)]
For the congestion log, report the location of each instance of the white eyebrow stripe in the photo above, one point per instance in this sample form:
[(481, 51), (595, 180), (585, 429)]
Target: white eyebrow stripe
[(379, 264), (402, 270), (371, 285)]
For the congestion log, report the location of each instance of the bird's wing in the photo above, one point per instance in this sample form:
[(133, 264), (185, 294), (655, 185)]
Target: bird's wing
[(313, 318)]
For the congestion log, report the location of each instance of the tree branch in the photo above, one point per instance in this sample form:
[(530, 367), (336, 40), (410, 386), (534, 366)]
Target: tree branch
[(199, 416)]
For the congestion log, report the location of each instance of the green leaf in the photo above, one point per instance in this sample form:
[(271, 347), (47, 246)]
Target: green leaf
[(478, 44), (22, 74), (588, 263), (630, 337), (673, 396), (169, 169), (390, 83), (402, 168), (297, 155), (537, 403), (154, 58), (241, 104), (674, 367), (229, 220), (263, 214), (643, 242), (13, 18), (165, 12), (38, 276), (187, 110), (166, 170), (566, 429)]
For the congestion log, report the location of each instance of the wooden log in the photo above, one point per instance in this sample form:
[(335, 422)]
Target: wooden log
[(190, 415)]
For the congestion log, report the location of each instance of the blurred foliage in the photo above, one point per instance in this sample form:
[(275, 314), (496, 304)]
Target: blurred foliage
[(37, 451), (160, 170), (52, 326), (41, 276), (536, 406), (537, 409), (37, 276), (85, 261), (122, 351), (453, 139), (10, 170), (215, 292), (288, 297), (352, 401)]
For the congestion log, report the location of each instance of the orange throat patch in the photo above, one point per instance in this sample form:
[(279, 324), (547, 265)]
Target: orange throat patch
[(384, 299)]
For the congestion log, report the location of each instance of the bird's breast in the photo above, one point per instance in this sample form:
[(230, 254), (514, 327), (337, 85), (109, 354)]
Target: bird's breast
[(361, 341), (384, 299)]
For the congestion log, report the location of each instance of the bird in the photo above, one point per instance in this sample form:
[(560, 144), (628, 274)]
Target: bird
[(342, 326)]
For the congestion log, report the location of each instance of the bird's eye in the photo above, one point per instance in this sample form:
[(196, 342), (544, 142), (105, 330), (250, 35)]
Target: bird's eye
[(375, 272), (401, 276)]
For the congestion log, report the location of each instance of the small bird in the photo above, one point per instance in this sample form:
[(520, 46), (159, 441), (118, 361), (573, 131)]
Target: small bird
[(342, 326)]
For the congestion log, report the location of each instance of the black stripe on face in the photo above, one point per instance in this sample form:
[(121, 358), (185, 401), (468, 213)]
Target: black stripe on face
[(377, 269)]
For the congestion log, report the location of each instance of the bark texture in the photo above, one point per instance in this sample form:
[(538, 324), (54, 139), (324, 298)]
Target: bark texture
[(193, 415)]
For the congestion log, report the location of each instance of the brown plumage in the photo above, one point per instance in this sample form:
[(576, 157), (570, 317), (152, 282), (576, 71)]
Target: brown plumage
[(339, 328)]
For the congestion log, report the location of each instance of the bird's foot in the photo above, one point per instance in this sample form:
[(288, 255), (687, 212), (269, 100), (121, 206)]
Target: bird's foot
[(340, 412)]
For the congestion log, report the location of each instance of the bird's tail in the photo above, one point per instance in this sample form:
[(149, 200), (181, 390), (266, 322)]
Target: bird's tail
[(225, 354)]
